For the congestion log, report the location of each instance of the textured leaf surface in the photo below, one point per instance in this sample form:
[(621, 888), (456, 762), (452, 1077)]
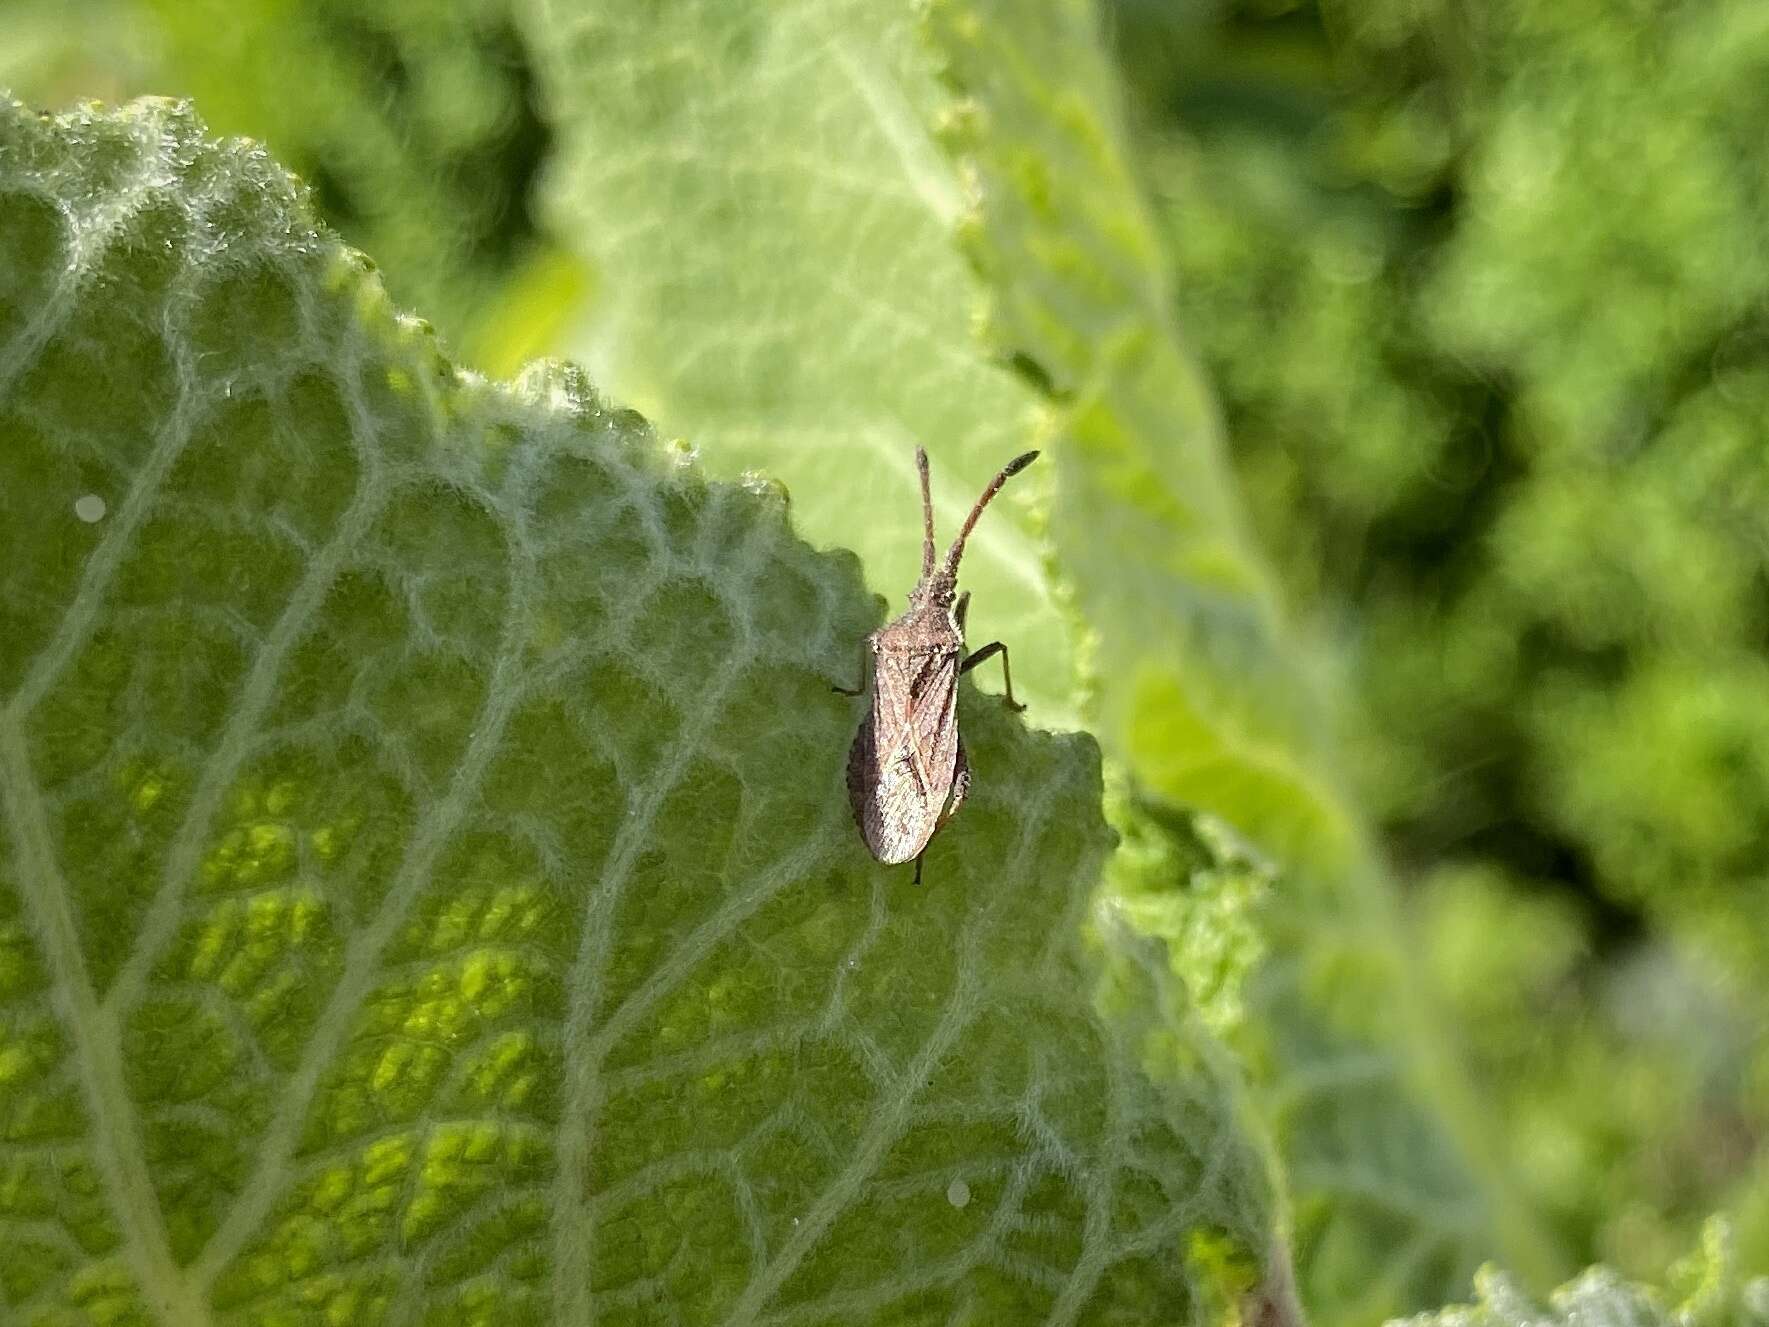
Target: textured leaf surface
[(1200, 687), (880, 190), (1394, 286), (426, 893), (410, 118), (1196, 684), (772, 225), (1707, 1291)]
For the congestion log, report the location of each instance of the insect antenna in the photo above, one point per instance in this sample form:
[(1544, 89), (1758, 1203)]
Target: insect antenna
[(1008, 471), (927, 515)]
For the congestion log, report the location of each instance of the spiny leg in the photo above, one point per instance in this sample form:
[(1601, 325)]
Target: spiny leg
[(959, 614), (993, 648)]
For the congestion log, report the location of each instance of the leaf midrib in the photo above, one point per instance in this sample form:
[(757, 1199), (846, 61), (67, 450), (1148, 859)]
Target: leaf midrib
[(114, 1135)]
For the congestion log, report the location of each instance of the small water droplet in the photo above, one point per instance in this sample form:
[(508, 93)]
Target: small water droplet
[(90, 508), (958, 1193)]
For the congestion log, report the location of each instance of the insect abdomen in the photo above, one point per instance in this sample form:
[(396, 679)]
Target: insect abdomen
[(895, 811), (901, 765)]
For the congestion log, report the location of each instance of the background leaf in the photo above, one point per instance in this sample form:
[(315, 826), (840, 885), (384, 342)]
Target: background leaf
[(1707, 1291), (411, 120), (426, 892), (772, 223), (1482, 291), (1202, 686), (808, 210)]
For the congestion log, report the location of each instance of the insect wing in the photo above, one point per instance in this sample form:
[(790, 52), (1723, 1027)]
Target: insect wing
[(901, 765)]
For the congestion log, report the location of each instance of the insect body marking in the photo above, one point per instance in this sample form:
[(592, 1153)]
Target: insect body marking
[(907, 770)]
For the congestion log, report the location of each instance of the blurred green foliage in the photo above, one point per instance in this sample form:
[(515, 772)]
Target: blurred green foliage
[(1481, 288), (413, 121), (1703, 1289)]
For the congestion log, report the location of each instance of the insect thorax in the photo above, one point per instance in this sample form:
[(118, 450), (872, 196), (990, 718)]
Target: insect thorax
[(929, 626)]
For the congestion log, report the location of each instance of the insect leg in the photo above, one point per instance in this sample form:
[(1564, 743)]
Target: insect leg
[(918, 857), (960, 788), (859, 686), (959, 613), (993, 648)]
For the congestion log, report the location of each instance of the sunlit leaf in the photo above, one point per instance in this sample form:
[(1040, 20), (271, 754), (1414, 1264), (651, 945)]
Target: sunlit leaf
[(426, 889)]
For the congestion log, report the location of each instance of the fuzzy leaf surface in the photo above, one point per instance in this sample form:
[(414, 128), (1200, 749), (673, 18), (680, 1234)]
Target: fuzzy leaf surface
[(1707, 1289), (931, 229), (771, 222), (426, 890)]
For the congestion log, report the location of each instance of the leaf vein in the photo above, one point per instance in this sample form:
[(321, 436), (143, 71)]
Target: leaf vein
[(360, 968)]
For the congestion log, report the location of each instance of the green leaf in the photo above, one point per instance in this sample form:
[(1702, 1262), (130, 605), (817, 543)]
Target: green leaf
[(1709, 1292), (772, 224), (1203, 687), (1197, 686), (803, 212), (411, 119), (1536, 536), (426, 888)]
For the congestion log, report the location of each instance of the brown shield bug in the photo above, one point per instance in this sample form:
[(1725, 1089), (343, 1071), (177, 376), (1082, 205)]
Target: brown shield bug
[(907, 772)]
